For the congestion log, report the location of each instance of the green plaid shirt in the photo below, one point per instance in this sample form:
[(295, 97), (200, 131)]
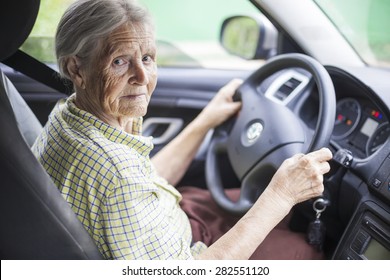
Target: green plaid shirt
[(107, 177)]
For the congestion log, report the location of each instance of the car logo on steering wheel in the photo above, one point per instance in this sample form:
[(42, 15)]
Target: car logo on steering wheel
[(254, 131)]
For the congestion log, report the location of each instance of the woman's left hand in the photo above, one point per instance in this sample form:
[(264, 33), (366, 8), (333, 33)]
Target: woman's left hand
[(222, 106)]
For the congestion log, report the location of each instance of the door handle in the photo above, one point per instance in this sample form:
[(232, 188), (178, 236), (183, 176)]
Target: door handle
[(162, 129)]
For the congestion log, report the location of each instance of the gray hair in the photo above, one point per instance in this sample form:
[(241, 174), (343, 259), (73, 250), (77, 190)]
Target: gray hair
[(87, 22)]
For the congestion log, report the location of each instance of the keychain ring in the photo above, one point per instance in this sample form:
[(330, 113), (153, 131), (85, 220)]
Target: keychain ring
[(317, 201)]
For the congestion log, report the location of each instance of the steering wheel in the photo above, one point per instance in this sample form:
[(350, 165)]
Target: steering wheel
[(265, 133)]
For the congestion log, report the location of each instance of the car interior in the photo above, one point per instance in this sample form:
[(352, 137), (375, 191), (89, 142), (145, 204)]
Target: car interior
[(37, 223)]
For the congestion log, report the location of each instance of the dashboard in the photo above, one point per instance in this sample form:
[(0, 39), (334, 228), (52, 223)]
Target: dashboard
[(362, 123), (360, 126), (362, 120)]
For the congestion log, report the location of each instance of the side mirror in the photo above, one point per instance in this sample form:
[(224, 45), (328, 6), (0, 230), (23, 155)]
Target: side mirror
[(249, 37)]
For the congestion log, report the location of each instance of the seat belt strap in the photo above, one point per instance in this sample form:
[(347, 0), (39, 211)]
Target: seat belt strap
[(33, 68)]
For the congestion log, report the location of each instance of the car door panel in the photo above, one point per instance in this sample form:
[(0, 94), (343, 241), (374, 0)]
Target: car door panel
[(162, 129), (183, 93)]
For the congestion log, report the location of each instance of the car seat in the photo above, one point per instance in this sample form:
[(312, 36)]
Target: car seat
[(36, 222)]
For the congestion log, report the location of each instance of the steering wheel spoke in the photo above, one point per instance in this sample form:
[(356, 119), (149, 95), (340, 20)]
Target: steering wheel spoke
[(257, 179)]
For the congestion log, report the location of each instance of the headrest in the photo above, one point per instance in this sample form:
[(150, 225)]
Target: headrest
[(17, 18)]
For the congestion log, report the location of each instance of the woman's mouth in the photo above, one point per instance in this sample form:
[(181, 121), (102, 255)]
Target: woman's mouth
[(135, 96)]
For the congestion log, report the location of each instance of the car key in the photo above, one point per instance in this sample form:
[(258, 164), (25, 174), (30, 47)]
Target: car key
[(316, 229)]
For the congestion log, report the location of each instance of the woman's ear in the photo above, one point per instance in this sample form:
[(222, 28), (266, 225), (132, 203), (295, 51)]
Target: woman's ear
[(76, 75)]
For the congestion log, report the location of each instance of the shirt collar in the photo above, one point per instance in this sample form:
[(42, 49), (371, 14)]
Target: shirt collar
[(134, 139)]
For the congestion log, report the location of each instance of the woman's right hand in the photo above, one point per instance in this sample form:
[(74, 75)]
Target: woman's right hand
[(299, 178)]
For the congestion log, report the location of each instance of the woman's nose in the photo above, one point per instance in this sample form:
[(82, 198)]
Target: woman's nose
[(138, 74)]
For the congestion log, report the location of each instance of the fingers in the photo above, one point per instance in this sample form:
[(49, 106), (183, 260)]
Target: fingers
[(322, 155), (324, 167), (317, 165), (234, 84), (221, 107), (234, 107), (318, 159), (307, 171), (230, 88)]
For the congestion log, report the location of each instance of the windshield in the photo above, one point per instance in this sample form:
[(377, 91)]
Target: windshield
[(365, 25)]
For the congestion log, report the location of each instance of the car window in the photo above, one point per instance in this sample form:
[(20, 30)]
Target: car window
[(40, 43), (365, 26), (187, 32)]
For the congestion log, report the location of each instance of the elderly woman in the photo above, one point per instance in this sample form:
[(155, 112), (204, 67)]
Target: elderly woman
[(93, 150)]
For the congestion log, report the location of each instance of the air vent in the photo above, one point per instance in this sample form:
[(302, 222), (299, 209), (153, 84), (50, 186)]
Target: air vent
[(286, 87)]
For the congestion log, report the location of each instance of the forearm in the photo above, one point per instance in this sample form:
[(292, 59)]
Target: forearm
[(242, 240), (174, 159)]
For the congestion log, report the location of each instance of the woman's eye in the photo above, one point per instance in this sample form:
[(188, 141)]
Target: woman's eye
[(147, 59), (119, 62)]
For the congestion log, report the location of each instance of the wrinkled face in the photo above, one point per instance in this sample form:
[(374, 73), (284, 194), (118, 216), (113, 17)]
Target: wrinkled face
[(124, 73)]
